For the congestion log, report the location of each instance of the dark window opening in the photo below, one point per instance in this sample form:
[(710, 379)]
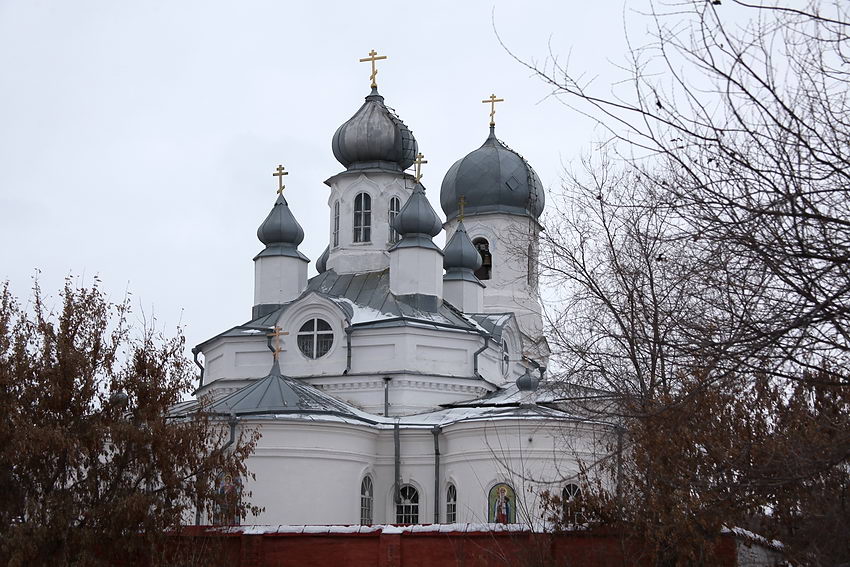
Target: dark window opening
[(485, 272), (363, 218)]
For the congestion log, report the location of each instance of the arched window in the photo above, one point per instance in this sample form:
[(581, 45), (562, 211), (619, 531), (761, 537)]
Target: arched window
[(336, 223), (395, 207), (362, 218), (486, 269), (532, 265), (506, 358), (315, 338), (366, 501), (451, 504), (571, 498), (407, 508)]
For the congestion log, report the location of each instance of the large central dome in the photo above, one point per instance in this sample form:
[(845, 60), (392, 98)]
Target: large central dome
[(492, 179), (374, 138)]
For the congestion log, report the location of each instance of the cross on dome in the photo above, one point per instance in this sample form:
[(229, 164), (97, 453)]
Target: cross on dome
[(492, 101), (279, 173), (278, 332), (418, 164), (460, 204), (373, 56)]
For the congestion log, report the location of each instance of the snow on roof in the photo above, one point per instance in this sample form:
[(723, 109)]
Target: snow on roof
[(382, 528)]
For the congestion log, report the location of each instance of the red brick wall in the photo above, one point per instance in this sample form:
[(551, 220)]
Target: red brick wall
[(432, 549)]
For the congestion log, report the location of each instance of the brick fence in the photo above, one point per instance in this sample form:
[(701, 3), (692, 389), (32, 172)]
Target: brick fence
[(427, 546)]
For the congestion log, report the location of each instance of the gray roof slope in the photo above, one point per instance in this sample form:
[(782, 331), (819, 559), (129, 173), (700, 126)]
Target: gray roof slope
[(279, 394), (367, 300)]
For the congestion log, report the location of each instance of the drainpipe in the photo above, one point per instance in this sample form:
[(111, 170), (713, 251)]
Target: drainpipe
[(232, 421), (195, 353), (387, 380), (436, 432), (397, 442), (478, 352), (348, 331)]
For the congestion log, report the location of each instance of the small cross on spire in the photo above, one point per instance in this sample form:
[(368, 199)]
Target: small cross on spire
[(373, 56), (460, 204), (278, 332), (418, 163), (279, 173), (492, 101)]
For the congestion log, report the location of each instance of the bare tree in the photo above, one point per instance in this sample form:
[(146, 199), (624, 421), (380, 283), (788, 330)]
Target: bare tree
[(93, 464), (704, 274), (745, 109)]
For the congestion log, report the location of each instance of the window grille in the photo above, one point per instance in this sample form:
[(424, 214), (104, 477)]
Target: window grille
[(407, 509), (315, 338), (451, 504), (362, 218), (336, 224), (395, 207), (366, 501)]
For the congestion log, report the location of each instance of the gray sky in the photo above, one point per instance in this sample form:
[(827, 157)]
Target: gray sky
[(138, 139)]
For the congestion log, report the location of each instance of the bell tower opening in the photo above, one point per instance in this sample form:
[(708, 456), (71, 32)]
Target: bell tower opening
[(485, 272)]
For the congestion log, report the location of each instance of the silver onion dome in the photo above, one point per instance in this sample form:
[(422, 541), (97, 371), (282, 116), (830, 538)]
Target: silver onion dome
[(322, 262), (417, 216), (280, 232), (417, 223), (493, 179), (528, 382), (374, 138), (460, 252)]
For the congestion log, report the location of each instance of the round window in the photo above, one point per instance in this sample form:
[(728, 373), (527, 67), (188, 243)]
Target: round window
[(315, 338)]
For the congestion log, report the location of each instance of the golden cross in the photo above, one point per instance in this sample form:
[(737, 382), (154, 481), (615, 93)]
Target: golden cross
[(418, 163), (280, 173), (278, 332), (460, 203), (492, 101), (373, 56)]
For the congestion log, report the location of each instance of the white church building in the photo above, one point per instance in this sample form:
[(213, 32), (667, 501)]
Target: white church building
[(400, 384)]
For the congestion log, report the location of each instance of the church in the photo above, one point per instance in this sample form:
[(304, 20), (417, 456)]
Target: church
[(401, 385)]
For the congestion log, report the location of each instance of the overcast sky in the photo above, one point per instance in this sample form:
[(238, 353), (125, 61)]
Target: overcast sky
[(138, 138)]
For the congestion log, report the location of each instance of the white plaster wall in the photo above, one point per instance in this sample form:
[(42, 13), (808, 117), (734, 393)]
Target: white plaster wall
[(416, 270), (278, 279), (356, 257), (508, 290), (309, 472), (466, 296)]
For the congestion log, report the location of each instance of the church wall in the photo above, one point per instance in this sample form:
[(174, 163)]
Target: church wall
[(310, 472), (528, 455), (355, 257), (510, 289)]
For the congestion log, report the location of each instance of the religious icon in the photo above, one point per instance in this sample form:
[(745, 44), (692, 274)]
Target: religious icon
[(502, 504), (229, 493)]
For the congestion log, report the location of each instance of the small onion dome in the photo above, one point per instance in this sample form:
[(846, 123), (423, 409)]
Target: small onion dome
[(280, 232), (322, 262), (417, 222), (492, 179), (374, 138), (528, 382), (460, 258)]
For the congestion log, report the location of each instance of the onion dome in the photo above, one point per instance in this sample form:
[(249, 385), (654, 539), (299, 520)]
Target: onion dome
[(375, 137), (280, 232), (417, 222), (492, 179), (528, 382), (460, 257), (322, 262)]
